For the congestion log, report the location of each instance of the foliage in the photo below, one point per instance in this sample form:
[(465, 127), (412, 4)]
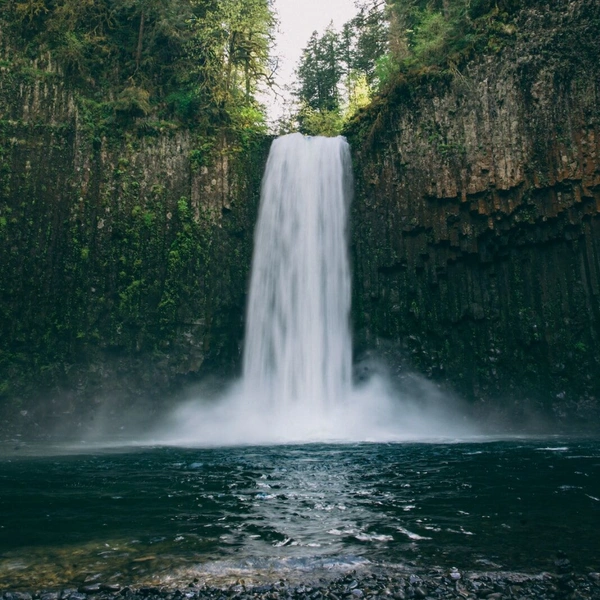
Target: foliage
[(387, 42), (386, 38), (364, 40), (337, 71), (319, 72), (439, 32), (196, 61), (320, 122)]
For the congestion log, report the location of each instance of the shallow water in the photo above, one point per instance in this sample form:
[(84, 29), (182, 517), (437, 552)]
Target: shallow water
[(169, 514)]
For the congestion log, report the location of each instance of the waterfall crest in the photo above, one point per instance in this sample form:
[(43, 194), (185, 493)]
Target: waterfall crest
[(297, 350)]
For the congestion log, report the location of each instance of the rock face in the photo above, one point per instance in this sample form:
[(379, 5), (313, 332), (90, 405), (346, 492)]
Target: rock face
[(124, 249), (476, 227)]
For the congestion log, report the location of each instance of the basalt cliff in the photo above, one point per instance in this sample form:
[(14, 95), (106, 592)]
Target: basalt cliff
[(125, 251), (476, 227)]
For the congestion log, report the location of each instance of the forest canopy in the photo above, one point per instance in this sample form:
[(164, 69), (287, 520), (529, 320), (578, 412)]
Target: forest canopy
[(201, 62), (340, 71), (196, 61)]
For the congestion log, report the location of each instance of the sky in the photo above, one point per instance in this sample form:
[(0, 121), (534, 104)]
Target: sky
[(297, 20)]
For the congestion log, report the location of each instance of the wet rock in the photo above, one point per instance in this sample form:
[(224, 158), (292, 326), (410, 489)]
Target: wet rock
[(92, 588), (261, 589), (563, 565), (433, 585)]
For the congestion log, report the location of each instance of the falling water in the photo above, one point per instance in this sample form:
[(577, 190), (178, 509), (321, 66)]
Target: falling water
[(297, 369), (298, 349)]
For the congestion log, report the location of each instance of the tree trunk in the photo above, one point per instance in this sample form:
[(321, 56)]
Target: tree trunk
[(138, 55), (446, 4)]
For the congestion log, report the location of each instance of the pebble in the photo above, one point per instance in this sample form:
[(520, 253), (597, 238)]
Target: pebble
[(381, 584), (563, 565), (92, 588)]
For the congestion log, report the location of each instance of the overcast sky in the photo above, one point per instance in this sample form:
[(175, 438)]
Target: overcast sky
[(297, 20)]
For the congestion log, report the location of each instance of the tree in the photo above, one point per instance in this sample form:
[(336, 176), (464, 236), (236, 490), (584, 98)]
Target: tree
[(319, 72), (231, 45), (370, 28), (200, 59)]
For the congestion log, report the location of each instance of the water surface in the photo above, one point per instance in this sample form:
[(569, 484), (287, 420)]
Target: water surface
[(168, 514)]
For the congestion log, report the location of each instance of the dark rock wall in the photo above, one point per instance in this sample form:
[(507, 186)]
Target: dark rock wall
[(124, 252), (476, 227)]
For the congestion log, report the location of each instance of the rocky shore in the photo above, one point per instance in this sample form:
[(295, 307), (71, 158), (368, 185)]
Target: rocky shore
[(388, 584)]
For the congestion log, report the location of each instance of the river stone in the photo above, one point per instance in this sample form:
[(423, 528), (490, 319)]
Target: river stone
[(563, 565), (260, 589), (92, 588)]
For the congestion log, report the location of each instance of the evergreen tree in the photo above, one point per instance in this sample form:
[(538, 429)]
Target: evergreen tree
[(319, 72), (370, 28)]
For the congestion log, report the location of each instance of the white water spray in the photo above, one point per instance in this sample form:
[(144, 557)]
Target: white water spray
[(297, 351)]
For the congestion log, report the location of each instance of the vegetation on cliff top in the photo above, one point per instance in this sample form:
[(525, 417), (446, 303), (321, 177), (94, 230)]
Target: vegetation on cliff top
[(197, 62), (387, 42)]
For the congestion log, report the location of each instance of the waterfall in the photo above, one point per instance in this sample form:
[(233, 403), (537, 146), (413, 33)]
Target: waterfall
[(297, 383), (297, 354)]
